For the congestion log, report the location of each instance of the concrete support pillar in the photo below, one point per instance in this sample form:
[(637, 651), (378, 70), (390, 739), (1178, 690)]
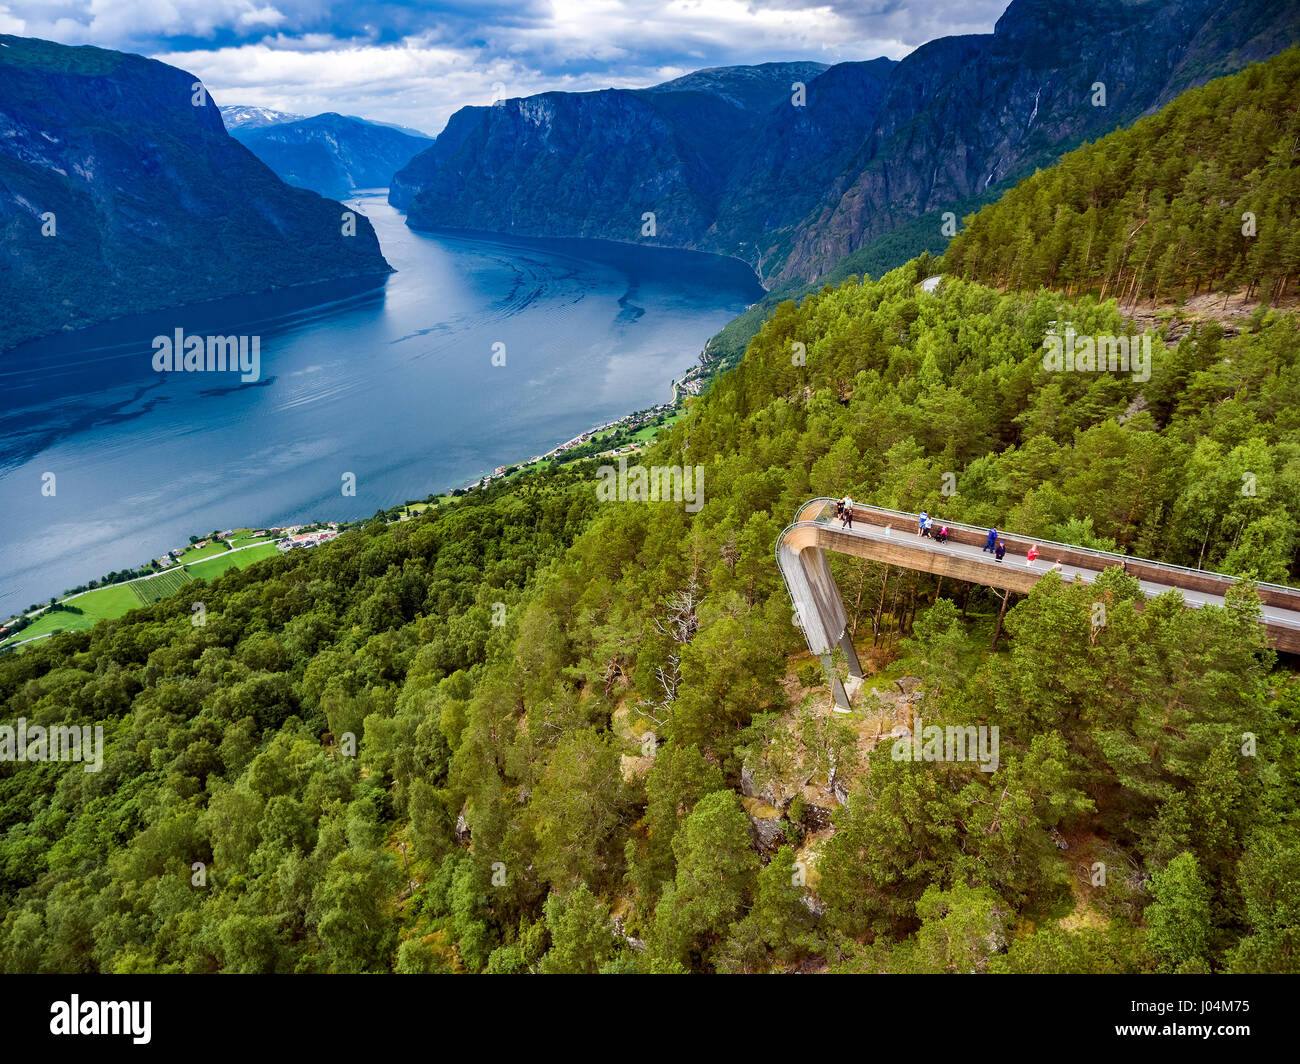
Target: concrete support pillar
[(837, 688), (997, 630), (846, 644)]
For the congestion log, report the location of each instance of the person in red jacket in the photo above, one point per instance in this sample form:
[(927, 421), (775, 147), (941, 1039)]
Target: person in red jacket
[(1033, 553)]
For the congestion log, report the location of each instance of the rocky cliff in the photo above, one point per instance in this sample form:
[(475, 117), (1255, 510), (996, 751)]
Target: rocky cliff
[(794, 189)]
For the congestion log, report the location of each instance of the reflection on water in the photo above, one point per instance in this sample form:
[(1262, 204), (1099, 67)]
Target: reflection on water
[(390, 378)]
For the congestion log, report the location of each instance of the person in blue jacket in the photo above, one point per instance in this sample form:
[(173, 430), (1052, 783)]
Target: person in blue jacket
[(992, 541)]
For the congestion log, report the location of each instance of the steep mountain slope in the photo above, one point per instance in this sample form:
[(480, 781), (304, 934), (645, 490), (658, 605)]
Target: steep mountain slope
[(590, 164), (1198, 197), (331, 153), (793, 190), (784, 172), (119, 194), (958, 119)]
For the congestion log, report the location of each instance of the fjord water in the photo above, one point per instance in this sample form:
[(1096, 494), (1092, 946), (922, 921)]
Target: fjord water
[(390, 379)]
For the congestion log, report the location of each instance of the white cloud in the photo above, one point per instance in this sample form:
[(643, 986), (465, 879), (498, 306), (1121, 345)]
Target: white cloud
[(417, 86), (415, 63), (11, 23), (121, 23)]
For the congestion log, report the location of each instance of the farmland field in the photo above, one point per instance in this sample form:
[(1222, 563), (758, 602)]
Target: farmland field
[(160, 586)]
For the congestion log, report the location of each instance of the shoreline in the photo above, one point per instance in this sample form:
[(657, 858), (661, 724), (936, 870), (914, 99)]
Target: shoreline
[(633, 421), (687, 385)]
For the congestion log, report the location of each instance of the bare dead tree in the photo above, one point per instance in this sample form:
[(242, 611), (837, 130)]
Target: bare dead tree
[(730, 553), (679, 623)]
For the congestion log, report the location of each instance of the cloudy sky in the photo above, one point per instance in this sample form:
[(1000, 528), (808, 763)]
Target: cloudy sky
[(414, 63)]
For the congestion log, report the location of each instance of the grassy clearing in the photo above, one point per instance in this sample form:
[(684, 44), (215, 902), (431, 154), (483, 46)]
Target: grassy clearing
[(84, 611), (648, 433), (194, 554), (109, 603), (210, 570)]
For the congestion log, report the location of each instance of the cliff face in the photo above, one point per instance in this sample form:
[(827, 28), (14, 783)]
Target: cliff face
[(331, 153), (792, 190), (591, 164), (962, 114), (152, 203)]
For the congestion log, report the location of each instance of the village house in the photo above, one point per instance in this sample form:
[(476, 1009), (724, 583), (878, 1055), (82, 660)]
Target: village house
[(305, 539)]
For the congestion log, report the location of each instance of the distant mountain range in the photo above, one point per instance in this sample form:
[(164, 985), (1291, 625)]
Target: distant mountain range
[(728, 161), (327, 153), (121, 191), (238, 117)]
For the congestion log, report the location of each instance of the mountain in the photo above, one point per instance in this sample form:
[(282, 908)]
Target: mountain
[(610, 700), (589, 164), (147, 201), (1115, 217), (239, 117), (750, 88), (793, 190), (331, 153), (418, 134)]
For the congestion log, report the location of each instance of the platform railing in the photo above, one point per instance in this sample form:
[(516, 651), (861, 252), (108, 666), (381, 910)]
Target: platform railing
[(1108, 558)]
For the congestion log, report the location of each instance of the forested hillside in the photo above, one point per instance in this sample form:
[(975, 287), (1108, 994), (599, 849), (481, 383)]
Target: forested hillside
[(588, 736), (1200, 197), (512, 763), (1161, 210)]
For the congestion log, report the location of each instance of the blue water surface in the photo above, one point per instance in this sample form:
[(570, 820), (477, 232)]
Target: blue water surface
[(389, 379)]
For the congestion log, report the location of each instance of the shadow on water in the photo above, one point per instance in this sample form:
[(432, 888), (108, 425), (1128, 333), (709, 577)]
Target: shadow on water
[(265, 382), (42, 370), (391, 378)]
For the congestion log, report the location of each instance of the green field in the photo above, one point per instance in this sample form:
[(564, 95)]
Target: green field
[(648, 433), (160, 586), (84, 611), (211, 569), (194, 554), (241, 538), (108, 603)]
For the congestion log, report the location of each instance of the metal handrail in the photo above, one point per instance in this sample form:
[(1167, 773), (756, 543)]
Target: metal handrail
[(1116, 558)]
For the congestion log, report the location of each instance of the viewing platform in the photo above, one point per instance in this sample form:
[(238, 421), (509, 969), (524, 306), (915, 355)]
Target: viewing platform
[(890, 537)]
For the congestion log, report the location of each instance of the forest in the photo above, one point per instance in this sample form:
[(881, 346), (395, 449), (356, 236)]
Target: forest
[(1200, 197), (529, 731)]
